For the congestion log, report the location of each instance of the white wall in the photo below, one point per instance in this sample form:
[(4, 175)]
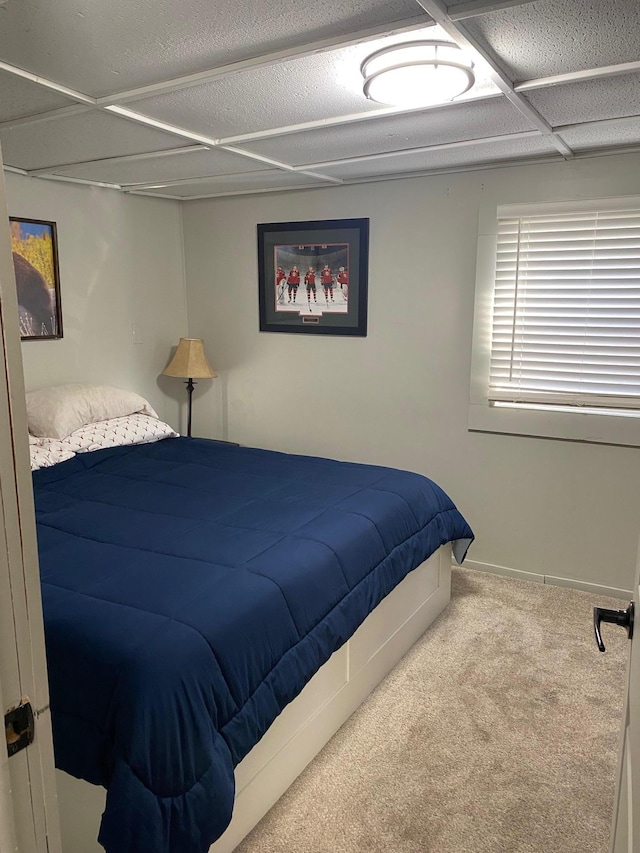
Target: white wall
[(400, 396), (121, 262)]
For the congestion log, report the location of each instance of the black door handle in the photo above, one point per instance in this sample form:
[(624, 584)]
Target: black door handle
[(624, 618)]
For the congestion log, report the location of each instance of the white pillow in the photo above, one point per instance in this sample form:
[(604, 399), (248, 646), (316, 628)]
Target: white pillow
[(45, 452), (117, 432), (59, 410)]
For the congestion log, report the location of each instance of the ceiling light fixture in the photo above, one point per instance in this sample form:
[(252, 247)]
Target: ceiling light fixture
[(417, 73)]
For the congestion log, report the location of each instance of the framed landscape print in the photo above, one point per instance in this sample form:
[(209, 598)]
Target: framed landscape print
[(35, 260), (313, 276)]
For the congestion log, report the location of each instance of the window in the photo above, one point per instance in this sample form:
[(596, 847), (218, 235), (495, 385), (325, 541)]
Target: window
[(557, 325)]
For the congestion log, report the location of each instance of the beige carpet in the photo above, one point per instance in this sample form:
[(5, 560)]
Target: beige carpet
[(497, 733)]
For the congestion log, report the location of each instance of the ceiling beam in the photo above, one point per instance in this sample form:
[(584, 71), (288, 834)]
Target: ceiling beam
[(125, 158), (462, 37), (632, 121), (181, 182), (261, 191), (251, 155), (139, 118), (50, 115), (579, 76), (454, 170), (442, 146), (259, 158), (350, 118), (69, 180), (48, 84), (322, 177), (154, 195)]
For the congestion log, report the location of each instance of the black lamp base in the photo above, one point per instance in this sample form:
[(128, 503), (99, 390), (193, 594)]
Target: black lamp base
[(190, 386)]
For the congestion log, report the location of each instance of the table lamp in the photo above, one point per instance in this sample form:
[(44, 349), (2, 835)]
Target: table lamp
[(189, 363)]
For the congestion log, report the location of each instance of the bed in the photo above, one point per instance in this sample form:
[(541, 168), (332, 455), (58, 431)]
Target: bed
[(193, 591)]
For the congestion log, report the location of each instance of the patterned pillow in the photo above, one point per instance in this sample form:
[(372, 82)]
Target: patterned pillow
[(45, 452), (57, 411), (117, 432)]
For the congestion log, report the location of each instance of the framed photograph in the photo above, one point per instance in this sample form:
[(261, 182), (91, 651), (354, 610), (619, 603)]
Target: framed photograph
[(313, 276), (35, 259)]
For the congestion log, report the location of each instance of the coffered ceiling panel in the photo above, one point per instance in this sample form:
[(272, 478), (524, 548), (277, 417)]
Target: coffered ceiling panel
[(493, 117), (593, 136), (590, 100), (90, 136), (99, 47), (409, 162), (20, 97), (232, 184), (187, 163), (556, 36), (307, 88), (211, 98)]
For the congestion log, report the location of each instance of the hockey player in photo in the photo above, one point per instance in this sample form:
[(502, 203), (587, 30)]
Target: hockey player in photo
[(310, 281), (343, 280), (293, 283), (326, 279), (280, 283)]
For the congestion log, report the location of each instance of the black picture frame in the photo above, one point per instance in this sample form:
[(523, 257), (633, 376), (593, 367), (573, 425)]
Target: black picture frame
[(336, 246), (34, 245)]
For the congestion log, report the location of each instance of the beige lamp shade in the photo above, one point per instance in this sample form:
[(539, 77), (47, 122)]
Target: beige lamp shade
[(189, 361)]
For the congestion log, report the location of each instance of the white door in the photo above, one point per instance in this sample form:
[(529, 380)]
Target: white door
[(28, 810), (625, 832)]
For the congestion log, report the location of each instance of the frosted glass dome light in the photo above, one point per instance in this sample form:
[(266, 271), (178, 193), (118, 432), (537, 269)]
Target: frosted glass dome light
[(417, 73)]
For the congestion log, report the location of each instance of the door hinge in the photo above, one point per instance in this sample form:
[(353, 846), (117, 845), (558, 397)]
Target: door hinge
[(19, 727)]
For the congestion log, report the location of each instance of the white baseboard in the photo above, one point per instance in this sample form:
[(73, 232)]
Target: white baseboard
[(585, 586), (534, 577)]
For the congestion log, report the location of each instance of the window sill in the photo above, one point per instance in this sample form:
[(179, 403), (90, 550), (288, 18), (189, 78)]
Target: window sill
[(566, 426)]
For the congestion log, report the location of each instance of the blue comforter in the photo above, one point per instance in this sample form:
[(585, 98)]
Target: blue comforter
[(190, 591)]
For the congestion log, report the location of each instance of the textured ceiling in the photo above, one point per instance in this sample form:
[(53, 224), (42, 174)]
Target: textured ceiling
[(205, 99)]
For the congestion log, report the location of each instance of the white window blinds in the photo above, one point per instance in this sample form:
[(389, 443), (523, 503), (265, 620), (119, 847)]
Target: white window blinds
[(566, 311)]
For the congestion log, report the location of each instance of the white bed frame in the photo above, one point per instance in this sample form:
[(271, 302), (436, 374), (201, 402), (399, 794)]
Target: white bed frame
[(305, 725)]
